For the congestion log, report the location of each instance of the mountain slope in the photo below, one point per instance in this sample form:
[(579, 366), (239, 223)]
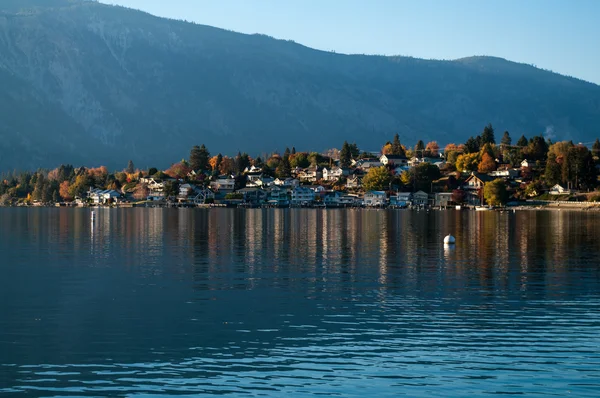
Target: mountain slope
[(104, 84)]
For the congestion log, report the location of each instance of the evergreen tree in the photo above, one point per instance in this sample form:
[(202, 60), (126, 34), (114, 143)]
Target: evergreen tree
[(596, 148), (242, 161), (487, 136), (199, 158), (471, 146), (537, 149), (293, 150), (354, 151), (522, 141), (130, 167), (287, 152), (397, 147), (345, 155), (506, 140), (217, 169), (552, 174), (195, 157), (419, 148)]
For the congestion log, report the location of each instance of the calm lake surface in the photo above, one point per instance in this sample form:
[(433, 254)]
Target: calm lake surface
[(159, 302)]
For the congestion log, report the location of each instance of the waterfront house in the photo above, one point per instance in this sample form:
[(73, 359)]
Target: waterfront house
[(278, 196), (155, 186), (474, 186), (253, 196), (420, 198), (402, 199), (319, 190), (526, 163), (559, 190), (185, 190), (375, 199), (393, 160), (443, 199), (103, 197), (190, 193), (302, 196)]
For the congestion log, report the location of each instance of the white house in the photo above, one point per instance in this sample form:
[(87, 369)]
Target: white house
[(334, 173), (102, 197), (223, 184), (395, 160), (505, 173), (559, 190), (302, 195), (155, 186), (526, 163), (375, 199), (288, 182)]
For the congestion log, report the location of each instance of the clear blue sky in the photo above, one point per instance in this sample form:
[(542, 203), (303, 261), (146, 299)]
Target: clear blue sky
[(560, 35)]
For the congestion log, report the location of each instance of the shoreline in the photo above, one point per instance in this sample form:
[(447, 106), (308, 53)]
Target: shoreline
[(575, 206)]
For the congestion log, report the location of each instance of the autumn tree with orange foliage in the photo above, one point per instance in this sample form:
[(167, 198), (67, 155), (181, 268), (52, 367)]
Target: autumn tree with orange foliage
[(432, 149), (64, 191), (179, 170), (487, 164), (227, 165)]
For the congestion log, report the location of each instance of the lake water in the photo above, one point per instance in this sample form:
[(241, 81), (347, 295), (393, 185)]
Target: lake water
[(159, 302)]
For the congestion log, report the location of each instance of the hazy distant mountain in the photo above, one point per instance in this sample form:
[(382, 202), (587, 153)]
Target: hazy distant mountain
[(86, 82)]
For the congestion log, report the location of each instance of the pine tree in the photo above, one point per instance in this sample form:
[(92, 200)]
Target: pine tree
[(397, 146), (345, 155), (506, 140), (522, 141), (195, 156), (596, 148), (471, 146), (419, 148), (487, 136), (354, 151), (130, 167)]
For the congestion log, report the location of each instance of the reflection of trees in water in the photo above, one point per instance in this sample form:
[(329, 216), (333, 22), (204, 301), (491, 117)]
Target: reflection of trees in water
[(310, 247)]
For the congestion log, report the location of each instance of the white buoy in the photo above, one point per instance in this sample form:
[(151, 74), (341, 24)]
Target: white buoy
[(449, 240)]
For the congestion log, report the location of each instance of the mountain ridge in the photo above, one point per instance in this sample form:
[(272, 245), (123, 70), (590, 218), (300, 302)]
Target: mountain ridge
[(114, 84)]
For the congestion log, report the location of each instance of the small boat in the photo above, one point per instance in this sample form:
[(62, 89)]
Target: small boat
[(482, 208), (458, 207)]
